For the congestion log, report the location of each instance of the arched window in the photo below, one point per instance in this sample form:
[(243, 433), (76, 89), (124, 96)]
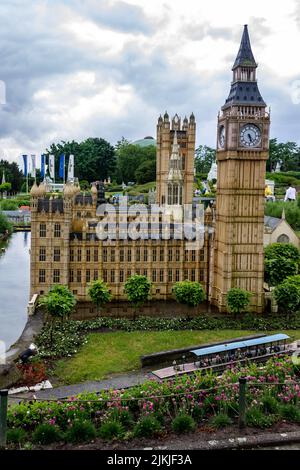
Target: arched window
[(283, 239)]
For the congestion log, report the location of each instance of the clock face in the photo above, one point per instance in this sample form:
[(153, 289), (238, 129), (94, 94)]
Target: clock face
[(222, 136), (250, 135)]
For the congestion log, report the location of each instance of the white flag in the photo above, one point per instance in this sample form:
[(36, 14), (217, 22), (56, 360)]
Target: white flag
[(33, 166), (51, 166), (71, 168)]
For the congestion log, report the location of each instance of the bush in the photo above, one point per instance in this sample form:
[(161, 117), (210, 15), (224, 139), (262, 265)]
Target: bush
[(237, 300), (290, 412), (183, 423), (147, 426), (8, 205), (16, 435), (122, 416), (5, 225), (198, 413), (81, 431), (111, 429), (46, 434), (188, 292), (269, 404), (257, 419), (221, 420)]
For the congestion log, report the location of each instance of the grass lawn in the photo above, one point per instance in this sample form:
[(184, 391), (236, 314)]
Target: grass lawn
[(109, 353)]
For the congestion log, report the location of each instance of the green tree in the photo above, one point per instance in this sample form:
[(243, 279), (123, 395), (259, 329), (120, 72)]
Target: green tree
[(99, 293), (58, 303), (146, 172), (281, 260), (137, 289), (237, 300), (5, 225), (130, 157), (204, 157), (4, 187), (287, 153), (189, 293), (287, 295), (13, 174)]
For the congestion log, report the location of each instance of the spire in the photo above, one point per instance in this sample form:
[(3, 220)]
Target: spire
[(245, 57), (3, 177), (283, 214)]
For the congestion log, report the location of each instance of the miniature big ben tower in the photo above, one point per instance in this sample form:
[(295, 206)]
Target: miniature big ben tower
[(242, 151)]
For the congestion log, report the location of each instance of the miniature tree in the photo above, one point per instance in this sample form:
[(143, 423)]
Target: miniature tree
[(189, 293), (137, 289), (237, 300), (58, 303), (287, 295), (281, 260), (99, 293)]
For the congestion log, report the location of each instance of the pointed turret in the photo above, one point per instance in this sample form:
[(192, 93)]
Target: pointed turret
[(245, 57)]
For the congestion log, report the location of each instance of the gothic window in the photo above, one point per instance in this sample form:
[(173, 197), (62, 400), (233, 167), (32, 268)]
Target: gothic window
[(56, 254), (283, 239), (201, 274), (170, 194), (154, 254), (193, 277), (154, 275), (71, 255), (202, 255), (177, 275), (79, 254), (145, 272), (145, 255), (56, 276), (161, 255), (104, 255), (96, 255), (95, 274), (186, 255), (177, 254), (138, 254), (128, 273), (88, 275), (122, 255), (112, 255), (42, 230), (170, 275), (56, 230), (170, 254), (129, 255), (193, 255), (186, 275), (161, 275), (112, 276), (78, 276), (42, 275), (121, 275), (42, 253), (88, 254), (71, 275), (105, 275)]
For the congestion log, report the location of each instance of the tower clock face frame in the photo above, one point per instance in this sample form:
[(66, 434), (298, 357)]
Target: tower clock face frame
[(222, 136), (250, 136)]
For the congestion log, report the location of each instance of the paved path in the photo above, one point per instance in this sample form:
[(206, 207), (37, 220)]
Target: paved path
[(116, 381)]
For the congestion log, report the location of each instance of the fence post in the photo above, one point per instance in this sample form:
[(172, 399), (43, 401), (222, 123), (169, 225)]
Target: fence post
[(242, 402), (3, 417)]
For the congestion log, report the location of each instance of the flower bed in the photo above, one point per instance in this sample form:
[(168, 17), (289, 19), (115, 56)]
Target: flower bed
[(153, 408)]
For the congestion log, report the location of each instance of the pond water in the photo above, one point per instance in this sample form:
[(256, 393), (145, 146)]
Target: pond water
[(14, 286)]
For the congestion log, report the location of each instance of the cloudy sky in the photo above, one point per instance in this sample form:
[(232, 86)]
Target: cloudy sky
[(74, 69)]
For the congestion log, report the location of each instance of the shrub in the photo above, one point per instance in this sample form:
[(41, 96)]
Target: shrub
[(46, 434), (237, 300), (16, 435), (183, 423), (188, 292), (269, 404), (257, 419), (221, 420), (198, 413), (123, 416), (147, 426), (81, 431), (111, 429), (290, 412)]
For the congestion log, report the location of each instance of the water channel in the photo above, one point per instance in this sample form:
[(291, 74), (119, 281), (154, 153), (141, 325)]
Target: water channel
[(14, 286)]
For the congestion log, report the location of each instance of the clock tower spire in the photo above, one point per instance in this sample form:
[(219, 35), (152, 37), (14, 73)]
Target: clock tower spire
[(242, 151)]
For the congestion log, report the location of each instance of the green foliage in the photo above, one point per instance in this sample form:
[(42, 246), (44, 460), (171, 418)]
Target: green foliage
[(269, 404), (287, 153), (146, 171), (287, 296), (59, 302), (292, 212), (290, 412), (99, 293), (46, 434), (84, 185), (60, 340), (221, 420), (147, 426), (110, 430), (8, 205), (5, 187), (183, 423), (137, 289), (130, 157), (81, 431), (257, 419), (5, 225), (237, 300), (188, 292), (94, 158), (16, 436), (281, 261), (13, 174), (204, 158)]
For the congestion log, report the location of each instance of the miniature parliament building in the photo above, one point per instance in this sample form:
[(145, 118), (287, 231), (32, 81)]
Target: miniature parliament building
[(66, 248)]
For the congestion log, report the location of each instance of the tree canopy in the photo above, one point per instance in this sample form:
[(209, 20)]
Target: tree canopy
[(135, 163), (189, 293), (204, 157), (99, 293), (137, 289), (281, 260), (287, 154), (13, 174), (237, 300)]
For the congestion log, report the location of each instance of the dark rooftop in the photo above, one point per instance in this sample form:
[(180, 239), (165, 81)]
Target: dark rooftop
[(245, 57)]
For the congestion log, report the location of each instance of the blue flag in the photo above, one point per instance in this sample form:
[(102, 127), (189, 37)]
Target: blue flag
[(43, 161), (25, 164), (62, 166)]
